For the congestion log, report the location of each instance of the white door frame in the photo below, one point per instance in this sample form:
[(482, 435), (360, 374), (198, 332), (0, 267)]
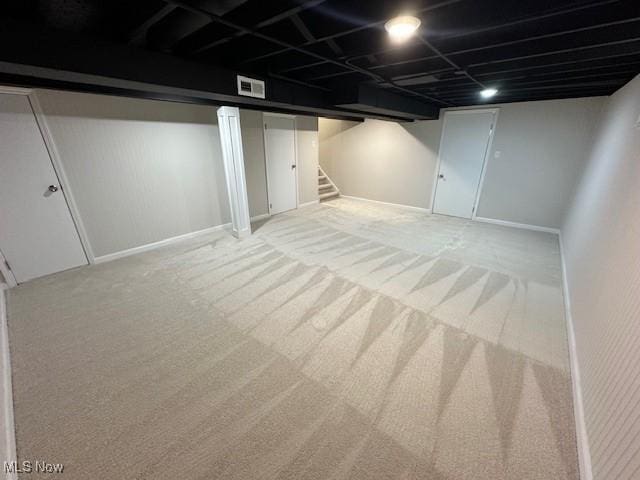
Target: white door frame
[(65, 187), (295, 152), (9, 278), (485, 158)]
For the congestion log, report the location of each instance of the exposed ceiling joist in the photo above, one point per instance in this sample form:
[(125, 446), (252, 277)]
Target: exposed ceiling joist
[(333, 36), (138, 36), (265, 23), (523, 20), (302, 28), (315, 48), (345, 65), (382, 66)]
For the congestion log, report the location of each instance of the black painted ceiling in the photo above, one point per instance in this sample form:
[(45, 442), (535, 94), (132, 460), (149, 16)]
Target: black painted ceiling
[(529, 50)]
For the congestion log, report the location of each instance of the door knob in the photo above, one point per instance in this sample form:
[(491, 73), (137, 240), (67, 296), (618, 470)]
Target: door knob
[(292, 167), (53, 188), (441, 176)]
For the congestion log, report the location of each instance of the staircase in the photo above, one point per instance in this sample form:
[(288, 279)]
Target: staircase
[(326, 188)]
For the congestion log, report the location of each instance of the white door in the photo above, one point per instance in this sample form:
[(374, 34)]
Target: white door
[(280, 153), (37, 233), (463, 148)]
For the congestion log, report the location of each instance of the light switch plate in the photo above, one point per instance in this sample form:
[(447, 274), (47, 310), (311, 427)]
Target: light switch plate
[(496, 154)]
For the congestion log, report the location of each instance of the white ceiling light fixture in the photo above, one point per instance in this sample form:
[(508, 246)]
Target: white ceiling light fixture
[(402, 27), (488, 92)]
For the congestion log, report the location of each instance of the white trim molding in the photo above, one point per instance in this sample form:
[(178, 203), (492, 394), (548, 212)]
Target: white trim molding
[(485, 160), (161, 243), (407, 207), (524, 226), (8, 443), (307, 204), (584, 453)]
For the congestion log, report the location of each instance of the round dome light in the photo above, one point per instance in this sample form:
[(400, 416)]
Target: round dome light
[(488, 92), (402, 27)]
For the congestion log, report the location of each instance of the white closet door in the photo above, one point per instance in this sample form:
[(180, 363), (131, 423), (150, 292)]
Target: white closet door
[(462, 151), (280, 152), (37, 233)]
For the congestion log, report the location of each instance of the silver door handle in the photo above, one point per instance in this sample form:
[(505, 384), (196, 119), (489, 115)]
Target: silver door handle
[(53, 188)]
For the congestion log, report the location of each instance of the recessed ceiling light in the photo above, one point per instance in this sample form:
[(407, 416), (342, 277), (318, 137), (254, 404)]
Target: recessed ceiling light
[(488, 92), (402, 27)]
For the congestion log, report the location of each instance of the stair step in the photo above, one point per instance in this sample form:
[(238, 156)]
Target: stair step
[(324, 196), (324, 186), (321, 177)]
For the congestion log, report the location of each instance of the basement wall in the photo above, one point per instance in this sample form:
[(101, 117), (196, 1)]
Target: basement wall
[(601, 239), (385, 161), (542, 149), (141, 171)]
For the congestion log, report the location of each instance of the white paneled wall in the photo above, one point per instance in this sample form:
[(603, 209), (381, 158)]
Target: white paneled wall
[(601, 237), (141, 171)]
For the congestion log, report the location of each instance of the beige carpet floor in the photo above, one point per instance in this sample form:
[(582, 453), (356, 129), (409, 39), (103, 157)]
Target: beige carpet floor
[(345, 340)]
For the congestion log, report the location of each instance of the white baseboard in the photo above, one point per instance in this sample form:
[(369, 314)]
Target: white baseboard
[(584, 453), (524, 226), (306, 204), (161, 243), (260, 217), (408, 207), (8, 441)]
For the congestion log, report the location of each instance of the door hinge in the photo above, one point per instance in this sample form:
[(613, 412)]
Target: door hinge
[(265, 126), (8, 266)]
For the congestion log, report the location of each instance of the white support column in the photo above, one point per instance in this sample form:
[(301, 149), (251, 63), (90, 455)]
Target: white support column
[(231, 140)]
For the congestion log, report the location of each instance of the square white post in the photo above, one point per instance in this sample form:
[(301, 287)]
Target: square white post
[(231, 140)]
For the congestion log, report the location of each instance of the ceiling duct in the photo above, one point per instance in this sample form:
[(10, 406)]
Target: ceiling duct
[(370, 99)]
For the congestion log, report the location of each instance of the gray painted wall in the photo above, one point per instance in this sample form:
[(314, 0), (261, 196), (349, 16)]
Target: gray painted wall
[(251, 124), (601, 237), (542, 148), (384, 161), (141, 171)]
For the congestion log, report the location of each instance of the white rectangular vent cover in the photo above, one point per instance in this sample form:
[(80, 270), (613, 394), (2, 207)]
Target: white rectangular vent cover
[(250, 87)]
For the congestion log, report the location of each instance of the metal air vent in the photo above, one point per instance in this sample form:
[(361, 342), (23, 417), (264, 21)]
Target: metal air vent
[(250, 87)]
